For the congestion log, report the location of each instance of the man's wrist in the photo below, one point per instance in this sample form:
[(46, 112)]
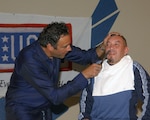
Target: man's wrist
[(100, 50), (102, 47)]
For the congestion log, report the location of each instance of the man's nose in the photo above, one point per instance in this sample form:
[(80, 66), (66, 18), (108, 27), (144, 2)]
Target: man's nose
[(111, 47)]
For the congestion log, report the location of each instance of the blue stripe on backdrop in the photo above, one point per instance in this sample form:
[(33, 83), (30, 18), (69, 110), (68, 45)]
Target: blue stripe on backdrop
[(100, 31), (101, 22)]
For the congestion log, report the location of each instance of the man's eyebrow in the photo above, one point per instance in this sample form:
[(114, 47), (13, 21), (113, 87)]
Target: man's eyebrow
[(115, 35)]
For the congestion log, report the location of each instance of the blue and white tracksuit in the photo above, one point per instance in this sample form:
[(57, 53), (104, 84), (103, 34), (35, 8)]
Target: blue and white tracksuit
[(121, 105)]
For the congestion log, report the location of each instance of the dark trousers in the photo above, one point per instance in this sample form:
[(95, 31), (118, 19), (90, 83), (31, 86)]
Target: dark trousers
[(24, 113)]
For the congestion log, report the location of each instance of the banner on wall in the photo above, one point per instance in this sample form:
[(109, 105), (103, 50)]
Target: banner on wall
[(14, 37), (81, 34)]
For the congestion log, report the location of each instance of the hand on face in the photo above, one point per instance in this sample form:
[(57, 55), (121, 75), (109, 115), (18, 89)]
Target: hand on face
[(100, 50), (109, 35)]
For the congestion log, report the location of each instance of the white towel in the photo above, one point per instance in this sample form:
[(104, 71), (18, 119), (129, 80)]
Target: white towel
[(114, 78)]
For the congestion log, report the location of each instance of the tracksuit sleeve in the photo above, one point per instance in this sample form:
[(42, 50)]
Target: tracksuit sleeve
[(86, 102), (142, 86)]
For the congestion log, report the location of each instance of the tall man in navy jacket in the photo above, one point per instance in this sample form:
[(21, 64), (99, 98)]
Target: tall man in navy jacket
[(38, 65)]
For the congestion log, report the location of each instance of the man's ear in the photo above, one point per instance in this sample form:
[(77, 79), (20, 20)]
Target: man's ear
[(49, 46), (126, 50)]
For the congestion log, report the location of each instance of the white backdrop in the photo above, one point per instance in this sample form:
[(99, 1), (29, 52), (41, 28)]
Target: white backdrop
[(81, 34)]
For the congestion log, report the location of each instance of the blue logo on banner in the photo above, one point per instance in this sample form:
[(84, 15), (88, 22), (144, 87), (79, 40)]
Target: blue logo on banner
[(11, 43)]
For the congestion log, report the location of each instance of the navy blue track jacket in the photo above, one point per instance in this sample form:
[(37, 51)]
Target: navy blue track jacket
[(119, 106)]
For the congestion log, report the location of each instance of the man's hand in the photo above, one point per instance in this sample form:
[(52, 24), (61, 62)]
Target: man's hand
[(109, 35), (91, 71)]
